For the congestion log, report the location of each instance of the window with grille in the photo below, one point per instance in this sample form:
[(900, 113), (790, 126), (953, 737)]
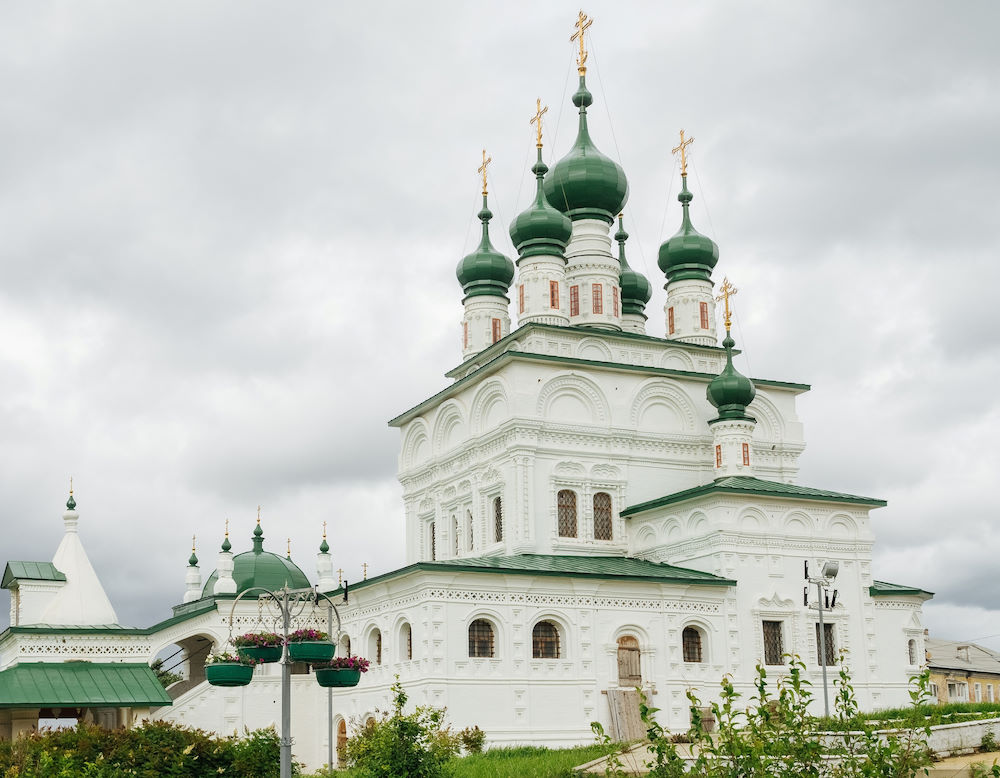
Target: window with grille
[(746, 455), (597, 298), (911, 651), (465, 334), (566, 500), (718, 456), (468, 530), (454, 535), (830, 646), (629, 664), (614, 299), (497, 519), (545, 641), (520, 298), (481, 639), (406, 641), (704, 315), (433, 543), (774, 646), (670, 320), (496, 330), (553, 294), (574, 301), (602, 516), (691, 644), (375, 647)]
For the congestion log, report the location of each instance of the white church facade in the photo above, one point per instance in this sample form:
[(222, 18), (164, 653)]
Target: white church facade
[(588, 508)]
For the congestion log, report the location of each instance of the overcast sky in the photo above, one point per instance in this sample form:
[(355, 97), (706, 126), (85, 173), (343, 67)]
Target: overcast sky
[(228, 234)]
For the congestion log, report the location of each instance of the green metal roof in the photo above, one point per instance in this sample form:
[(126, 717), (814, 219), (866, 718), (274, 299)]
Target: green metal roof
[(80, 684), (756, 486), (885, 589), (30, 571), (564, 566)]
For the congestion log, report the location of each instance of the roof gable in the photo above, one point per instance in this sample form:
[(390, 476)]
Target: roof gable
[(30, 571)]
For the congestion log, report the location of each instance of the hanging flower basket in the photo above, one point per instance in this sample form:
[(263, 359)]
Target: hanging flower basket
[(228, 670), (259, 646), (342, 671), (310, 645)]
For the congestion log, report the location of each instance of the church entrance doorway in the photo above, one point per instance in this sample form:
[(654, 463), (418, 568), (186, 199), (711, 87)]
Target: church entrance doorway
[(629, 673)]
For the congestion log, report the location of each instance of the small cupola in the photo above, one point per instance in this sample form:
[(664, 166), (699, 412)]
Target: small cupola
[(688, 254), (636, 289), (485, 271), (541, 229)]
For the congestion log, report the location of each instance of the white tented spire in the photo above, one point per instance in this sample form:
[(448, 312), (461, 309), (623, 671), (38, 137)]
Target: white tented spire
[(224, 582), (82, 601), (192, 580), (324, 566)]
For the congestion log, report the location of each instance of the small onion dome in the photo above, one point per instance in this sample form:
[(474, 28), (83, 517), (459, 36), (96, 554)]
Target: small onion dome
[(541, 229), (688, 254), (585, 184), (226, 545), (324, 546), (193, 559), (730, 391), (71, 503), (636, 289), (485, 270)]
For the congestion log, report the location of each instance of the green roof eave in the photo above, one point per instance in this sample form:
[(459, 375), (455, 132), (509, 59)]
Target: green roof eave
[(30, 571), (89, 629), (188, 610), (80, 684), (506, 357), (753, 486), (605, 568), (886, 589)]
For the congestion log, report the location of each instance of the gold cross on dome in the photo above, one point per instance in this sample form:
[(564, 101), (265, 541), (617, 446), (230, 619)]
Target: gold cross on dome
[(324, 530), (192, 543), (71, 486), (726, 291), (482, 169), (227, 528), (289, 548), (537, 119), (582, 23), (364, 571), (258, 514), (681, 148), (340, 577)]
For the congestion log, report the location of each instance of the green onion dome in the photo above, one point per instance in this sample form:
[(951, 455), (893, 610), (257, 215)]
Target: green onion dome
[(485, 270), (585, 184), (324, 546), (636, 289), (688, 254), (541, 230), (193, 559), (731, 391), (260, 568)]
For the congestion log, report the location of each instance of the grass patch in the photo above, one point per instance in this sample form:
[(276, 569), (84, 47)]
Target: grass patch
[(921, 715)]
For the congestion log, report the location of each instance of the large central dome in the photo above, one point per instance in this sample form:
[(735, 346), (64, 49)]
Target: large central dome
[(261, 568)]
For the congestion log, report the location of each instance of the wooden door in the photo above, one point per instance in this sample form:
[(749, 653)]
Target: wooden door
[(629, 673)]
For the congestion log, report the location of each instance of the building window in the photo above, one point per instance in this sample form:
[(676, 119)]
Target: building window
[(629, 664), (566, 509), (375, 646), (554, 294), (830, 646), (911, 651), (345, 646), (496, 330), (979, 692), (718, 456), (481, 639), (454, 535), (465, 334), (468, 531), (670, 320), (574, 301), (691, 644), (989, 692), (774, 647), (520, 298), (614, 299), (597, 298), (406, 642), (958, 692), (545, 641), (703, 307), (432, 541), (602, 516), (497, 519), (746, 455), (933, 689)]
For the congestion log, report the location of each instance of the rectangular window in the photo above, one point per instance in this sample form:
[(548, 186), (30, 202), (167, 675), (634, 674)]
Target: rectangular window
[(614, 300), (670, 320), (831, 648), (554, 295), (704, 315), (465, 334), (597, 298), (746, 455), (718, 456), (496, 330), (520, 298), (498, 519), (574, 301), (774, 646), (989, 692), (958, 692), (979, 692)]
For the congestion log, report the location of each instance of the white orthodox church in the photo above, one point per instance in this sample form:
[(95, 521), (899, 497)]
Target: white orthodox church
[(590, 507)]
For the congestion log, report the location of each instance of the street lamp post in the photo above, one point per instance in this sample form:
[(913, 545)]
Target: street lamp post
[(828, 574)]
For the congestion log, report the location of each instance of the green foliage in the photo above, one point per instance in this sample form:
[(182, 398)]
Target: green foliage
[(918, 715), (989, 742), (980, 770), (473, 739), (416, 745), (155, 749), (165, 677)]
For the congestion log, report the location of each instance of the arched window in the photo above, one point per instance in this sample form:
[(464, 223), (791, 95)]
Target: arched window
[(911, 651), (481, 639), (345, 646), (432, 542), (342, 743), (454, 534), (468, 531), (375, 646), (545, 641), (691, 644), (629, 673), (566, 501), (498, 519), (602, 516), (405, 642)]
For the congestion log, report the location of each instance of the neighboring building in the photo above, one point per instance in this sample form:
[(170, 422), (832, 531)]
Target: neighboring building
[(588, 508), (962, 672)]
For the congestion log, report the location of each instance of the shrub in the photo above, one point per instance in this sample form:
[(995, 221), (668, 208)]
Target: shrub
[(473, 739)]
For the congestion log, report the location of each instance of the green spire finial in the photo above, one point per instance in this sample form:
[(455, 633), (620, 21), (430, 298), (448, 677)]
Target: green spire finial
[(324, 546), (226, 545), (71, 503), (635, 287), (258, 535), (193, 559), (688, 254), (288, 553), (485, 271), (730, 391)]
